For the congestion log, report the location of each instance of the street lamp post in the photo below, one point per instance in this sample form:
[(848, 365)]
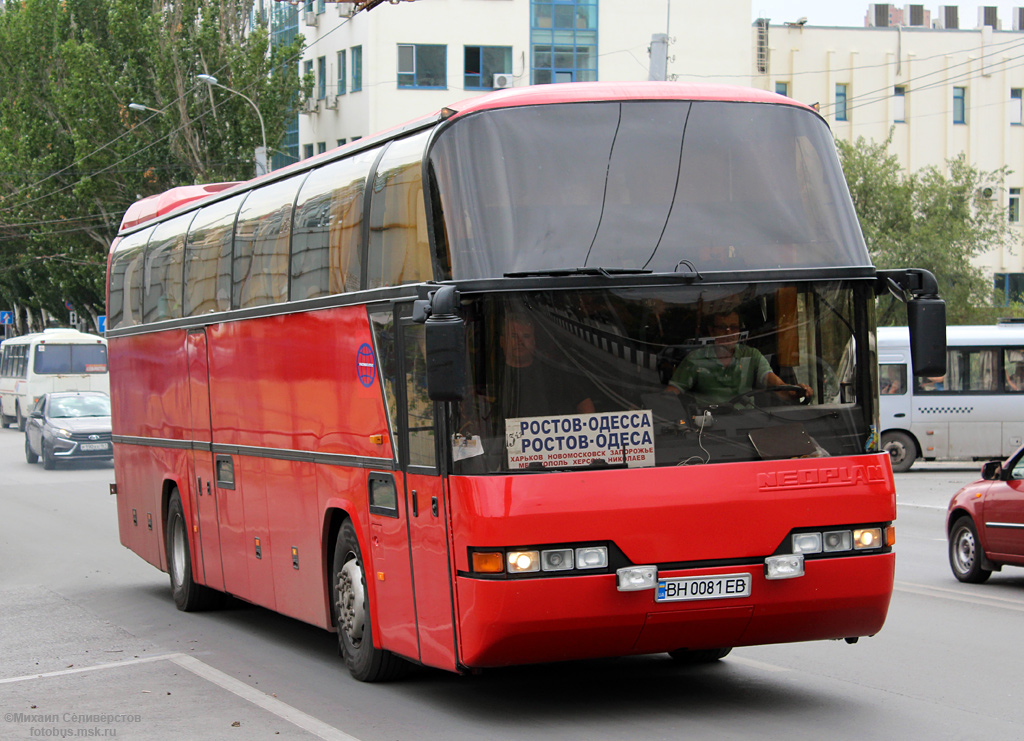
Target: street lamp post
[(261, 152), (143, 108)]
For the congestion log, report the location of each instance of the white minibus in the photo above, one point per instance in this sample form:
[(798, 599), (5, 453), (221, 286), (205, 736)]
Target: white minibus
[(975, 411), (52, 360)]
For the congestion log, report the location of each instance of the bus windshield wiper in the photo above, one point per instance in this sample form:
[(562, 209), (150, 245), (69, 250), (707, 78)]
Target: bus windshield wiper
[(556, 272)]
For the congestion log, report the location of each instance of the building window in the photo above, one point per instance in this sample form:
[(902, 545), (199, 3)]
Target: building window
[(899, 104), (782, 88), (357, 68), (341, 72), (841, 102), (341, 142), (422, 65), (321, 147), (1014, 211), (563, 41), (482, 63), (307, 151), (1009, 288), (959, 105), (321, 78), (1016, 110)]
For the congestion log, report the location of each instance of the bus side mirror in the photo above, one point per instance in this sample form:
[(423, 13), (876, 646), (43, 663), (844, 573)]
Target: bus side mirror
[(445, 335), (992, 470), (926, 318)]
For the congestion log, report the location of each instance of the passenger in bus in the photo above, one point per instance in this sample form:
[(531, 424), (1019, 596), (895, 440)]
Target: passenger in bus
[(719, 372), (529, 385), (1015, 378)]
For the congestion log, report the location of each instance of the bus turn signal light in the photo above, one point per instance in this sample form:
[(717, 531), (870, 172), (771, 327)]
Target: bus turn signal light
[(488, 562)]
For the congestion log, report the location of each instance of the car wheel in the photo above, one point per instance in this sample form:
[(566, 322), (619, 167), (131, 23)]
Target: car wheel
[(703, 656), (351, 607), (49, 462), (29, 455), (18, 418), (965, 555), (901, 449), (189, 596)]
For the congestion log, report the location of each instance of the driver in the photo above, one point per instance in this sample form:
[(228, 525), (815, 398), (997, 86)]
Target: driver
[(719, 372)]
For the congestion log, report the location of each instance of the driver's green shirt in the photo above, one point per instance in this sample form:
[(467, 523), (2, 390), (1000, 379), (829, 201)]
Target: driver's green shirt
[(702, 373)]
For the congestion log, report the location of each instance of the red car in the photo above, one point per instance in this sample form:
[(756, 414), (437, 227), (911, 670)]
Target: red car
[(985, 521)]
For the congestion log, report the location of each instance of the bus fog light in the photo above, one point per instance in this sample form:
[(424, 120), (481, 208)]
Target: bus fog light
[(838, 540), (595, 557), (784, 567), (807, 543), (868, 537), (521, 562), (556, 560), (635, 578)]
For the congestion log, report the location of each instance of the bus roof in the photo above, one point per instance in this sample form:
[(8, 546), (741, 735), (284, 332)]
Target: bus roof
[(581, 92), (979, 335), (150, 208)]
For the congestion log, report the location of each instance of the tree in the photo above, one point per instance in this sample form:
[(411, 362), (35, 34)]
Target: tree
[(73, 156), (934, 218)]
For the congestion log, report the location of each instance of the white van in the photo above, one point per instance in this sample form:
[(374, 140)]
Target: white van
[(53, 360), (975, 411)]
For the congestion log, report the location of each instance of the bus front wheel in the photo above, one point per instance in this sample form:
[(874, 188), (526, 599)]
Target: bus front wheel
[(901, 449), (189, 595), (351, 607)]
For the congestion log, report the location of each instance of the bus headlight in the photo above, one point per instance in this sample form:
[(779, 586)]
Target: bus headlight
[(556, 560), (594, 557), (521, 562), (838, 540), (868, 537), (807, 543)]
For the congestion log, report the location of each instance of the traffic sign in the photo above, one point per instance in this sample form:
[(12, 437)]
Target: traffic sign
[(101, 323), (6, 317)]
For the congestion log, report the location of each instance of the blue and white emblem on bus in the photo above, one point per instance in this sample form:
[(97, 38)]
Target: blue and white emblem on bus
[(366, 367)]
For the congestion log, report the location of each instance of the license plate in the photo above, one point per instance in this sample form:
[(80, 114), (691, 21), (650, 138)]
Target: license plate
[(683, 588), (94, 446)]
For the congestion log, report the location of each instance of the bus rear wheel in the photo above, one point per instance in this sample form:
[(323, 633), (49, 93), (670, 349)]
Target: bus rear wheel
[(351, 607), (189, 595), (703, 656), (901, 449)]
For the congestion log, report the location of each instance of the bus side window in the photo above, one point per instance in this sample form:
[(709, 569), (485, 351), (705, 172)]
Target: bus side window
[(892, 378), (1013, 368)]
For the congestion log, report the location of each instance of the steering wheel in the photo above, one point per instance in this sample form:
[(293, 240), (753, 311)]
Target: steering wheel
[(804, 398)]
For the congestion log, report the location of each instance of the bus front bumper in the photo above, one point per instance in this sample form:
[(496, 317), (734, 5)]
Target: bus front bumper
[(522, 621)]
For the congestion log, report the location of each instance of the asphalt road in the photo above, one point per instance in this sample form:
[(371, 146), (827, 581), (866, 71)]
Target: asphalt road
[(92, 646)]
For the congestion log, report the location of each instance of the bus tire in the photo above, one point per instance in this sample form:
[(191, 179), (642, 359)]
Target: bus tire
[(703, 656), (351, 607), (49, 462), (965, 556), (29, 455), (189, 596), (901, 448)]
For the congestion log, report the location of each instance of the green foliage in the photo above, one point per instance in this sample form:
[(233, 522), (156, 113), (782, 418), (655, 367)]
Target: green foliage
[(933, 219), (73, 156)]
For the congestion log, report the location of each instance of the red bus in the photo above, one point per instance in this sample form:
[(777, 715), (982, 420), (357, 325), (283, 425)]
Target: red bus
[(435, 390)]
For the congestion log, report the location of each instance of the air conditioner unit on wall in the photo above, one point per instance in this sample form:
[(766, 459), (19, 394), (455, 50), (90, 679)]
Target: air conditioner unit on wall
[(309, 105), (331, 102), (503, 80), (309, 18), (987, 192)]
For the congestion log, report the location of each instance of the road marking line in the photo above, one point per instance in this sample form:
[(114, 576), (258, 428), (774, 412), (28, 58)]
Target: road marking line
[(953, 594), (261, 699), (235, 686), (921, 506), (754, 664), (79, 670)]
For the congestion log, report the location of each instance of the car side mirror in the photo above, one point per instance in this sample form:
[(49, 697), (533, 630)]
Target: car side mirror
[(992, 470), (36, 415)]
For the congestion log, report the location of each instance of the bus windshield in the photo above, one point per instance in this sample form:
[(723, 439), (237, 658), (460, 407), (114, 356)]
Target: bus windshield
[(643, 185), (663, 376), (53, 359)]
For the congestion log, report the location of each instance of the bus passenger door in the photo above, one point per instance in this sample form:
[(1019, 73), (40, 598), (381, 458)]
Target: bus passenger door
[(205, 536), (427, 505)]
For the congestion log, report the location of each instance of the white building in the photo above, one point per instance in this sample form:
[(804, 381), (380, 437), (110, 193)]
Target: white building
[(950, 83)]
